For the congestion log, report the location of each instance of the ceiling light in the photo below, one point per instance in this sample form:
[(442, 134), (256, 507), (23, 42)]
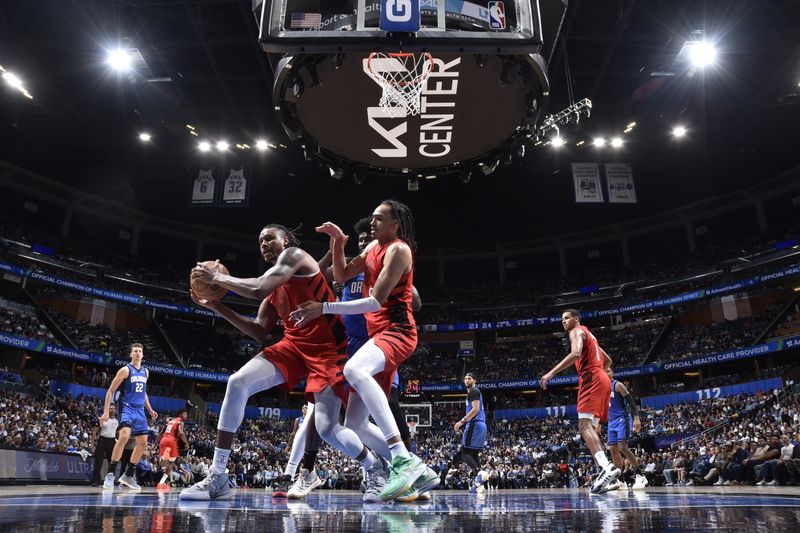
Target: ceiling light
[(558, 142), (13, 80), (145, 137), (616, 142), (631, 126), (261, 144), (678, 132), (579, 143), (599, 142), (703, 54), (204, 146), (120, 60), (222, 146)]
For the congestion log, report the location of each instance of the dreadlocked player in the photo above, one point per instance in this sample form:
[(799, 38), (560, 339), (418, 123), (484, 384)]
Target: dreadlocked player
[(388, 267)]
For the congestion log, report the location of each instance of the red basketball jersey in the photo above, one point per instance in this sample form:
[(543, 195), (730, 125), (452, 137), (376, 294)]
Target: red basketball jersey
[(591, 358), (172, 427), (397, 307), (324, 330)]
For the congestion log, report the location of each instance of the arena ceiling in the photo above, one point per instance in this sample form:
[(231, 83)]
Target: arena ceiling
[(199, 64)]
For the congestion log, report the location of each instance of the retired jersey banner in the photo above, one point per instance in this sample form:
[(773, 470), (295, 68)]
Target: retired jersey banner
[(619, 180), (235, 189), (588, 188), (204, 188)]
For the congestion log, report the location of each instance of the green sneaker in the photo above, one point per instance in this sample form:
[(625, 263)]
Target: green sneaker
[(403, 472), (429, 480)]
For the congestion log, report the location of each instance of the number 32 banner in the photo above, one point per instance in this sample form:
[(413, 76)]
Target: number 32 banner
[(210, 190)]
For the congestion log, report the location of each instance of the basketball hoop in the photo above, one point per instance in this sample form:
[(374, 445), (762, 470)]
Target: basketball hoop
[(402, 77), (412, 428)]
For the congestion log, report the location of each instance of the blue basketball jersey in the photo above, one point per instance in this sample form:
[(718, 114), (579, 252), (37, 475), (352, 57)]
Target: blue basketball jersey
[(135, 387), (616, 406), (299, 421), (356, 325), (475, 394)]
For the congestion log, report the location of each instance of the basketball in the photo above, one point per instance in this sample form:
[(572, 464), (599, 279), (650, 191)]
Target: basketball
[(206, 291)]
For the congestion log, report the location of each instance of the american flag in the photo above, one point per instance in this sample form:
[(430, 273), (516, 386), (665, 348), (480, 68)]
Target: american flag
[(306, 20)]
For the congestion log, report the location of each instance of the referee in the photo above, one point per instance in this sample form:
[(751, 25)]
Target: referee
[(104, 444)]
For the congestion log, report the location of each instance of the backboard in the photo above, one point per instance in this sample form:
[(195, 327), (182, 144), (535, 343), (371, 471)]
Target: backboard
[(486, 92)]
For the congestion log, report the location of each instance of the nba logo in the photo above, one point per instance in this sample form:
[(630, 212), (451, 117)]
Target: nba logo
[(497, 15)]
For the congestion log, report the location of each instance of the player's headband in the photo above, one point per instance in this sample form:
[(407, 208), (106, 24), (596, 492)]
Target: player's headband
[(470, 374)]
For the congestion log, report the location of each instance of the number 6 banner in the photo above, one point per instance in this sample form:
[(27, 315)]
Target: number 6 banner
[(235, 192), (203, 189)]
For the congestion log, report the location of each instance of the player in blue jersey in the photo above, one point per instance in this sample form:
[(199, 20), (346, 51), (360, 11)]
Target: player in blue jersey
[(474, 438), (623, 418), (133, 401)]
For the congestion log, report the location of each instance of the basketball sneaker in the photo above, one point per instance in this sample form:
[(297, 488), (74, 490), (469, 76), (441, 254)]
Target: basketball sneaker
[(607, 475), (375, 481), (108, 482), (403, 472), (304, 484), (280, 486), (129, 481), (215, 486), (640, 482), (428, 481)]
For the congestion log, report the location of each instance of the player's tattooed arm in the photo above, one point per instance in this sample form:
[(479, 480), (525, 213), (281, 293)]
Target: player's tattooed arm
[(259, 288)]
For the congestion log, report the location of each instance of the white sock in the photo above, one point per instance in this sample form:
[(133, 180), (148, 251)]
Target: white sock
[(399, 449), (163, 479), (220, 460), (370, 461), (601, 459)]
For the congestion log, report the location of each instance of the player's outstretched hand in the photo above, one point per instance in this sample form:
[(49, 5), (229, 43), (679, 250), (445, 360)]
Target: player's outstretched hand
[(211, 304), (333, 231), (305, 313)]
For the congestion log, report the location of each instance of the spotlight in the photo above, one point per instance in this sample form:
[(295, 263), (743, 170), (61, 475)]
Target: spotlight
[(145, 137), (488, 169), (119, 59), (222, 146), (557, 142), (616, 142), (413, 184), (261, 144), (336, 174), (678, 132), (204, 146), (13, 80), (703, 54), (599, 142)]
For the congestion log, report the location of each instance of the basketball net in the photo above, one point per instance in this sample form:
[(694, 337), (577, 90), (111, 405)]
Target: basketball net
[(412, 428), (402, 77)]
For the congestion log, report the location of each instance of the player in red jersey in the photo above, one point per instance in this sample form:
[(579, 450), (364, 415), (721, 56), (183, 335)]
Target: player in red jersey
[(388, 267), (168, 446), (594, 391), (317, 353)]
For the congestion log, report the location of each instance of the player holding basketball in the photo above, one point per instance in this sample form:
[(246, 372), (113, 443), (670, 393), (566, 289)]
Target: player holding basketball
[(317, 353), (387, 263), (594, 390), (132, 421), (474, 438), (168, 449), (623, 417)]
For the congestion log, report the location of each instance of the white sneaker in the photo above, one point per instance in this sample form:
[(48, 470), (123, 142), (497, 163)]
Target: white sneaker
[(213, 487), (640, 482), (719, 483), (304, 484), (690, 483), (607, 475), (108, 482), (760, 483), (129, 481), (727, 483), (772, 483), (375, 480)]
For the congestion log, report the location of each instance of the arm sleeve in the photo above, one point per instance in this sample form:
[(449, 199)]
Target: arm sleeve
[(353, 307), (631, 405)]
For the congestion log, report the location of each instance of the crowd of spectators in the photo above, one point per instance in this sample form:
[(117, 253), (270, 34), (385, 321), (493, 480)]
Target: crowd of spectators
[(695, 340)]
